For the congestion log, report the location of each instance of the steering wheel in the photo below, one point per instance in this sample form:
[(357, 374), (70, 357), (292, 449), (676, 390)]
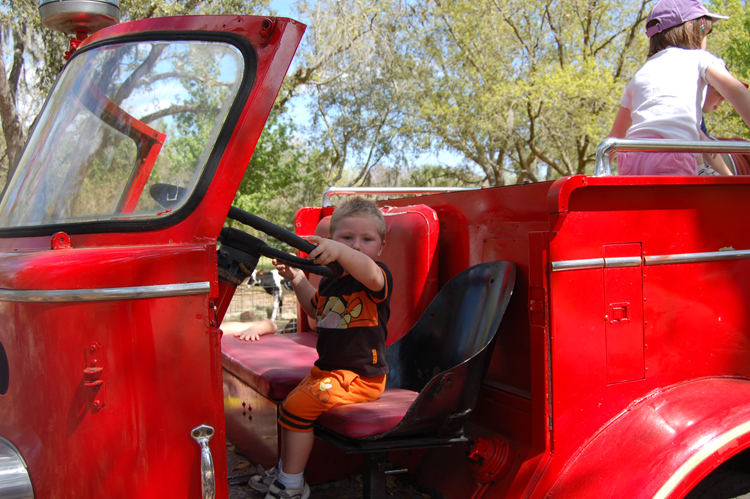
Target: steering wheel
[(254, 245)]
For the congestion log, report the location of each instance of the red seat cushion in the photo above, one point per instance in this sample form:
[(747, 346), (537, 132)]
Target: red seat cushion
[(368, 419), (410, 253), (274, 365)]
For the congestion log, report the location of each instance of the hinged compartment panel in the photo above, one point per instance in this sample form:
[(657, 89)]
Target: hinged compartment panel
[(623, 314)]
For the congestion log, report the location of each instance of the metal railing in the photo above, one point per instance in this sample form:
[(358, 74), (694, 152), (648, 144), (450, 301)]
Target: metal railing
[(351, 191), (610, 145)]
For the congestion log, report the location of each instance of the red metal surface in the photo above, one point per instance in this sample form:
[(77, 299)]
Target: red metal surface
[(635, 375), (553, 383), (160, 357)]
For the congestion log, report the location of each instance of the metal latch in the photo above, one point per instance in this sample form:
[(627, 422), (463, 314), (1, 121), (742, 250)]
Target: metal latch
[(618, 313)]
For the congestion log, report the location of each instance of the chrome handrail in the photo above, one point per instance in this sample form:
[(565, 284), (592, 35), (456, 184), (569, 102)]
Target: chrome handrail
[(610, 145), (351, 191), (202, 434)]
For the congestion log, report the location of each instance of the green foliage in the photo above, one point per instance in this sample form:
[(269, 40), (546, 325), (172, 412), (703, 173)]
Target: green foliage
[(272, 181), (730, 40), (521, 88)]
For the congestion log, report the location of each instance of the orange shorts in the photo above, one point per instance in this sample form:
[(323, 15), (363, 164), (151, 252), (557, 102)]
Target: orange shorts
[(323, 390)]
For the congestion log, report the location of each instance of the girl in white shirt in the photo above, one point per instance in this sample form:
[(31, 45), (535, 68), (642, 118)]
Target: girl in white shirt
[(664, 98)]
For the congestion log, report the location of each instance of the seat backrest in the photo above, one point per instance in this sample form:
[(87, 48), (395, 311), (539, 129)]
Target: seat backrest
[(444, 356), (411, 255)]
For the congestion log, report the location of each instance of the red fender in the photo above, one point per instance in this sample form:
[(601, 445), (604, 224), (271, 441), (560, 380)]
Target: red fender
[(664, 444)]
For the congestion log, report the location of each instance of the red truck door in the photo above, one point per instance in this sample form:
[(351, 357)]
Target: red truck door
[(109, 346)]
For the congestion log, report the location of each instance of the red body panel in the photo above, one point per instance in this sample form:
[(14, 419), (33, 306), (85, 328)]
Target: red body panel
[(620, 369), (561, 371)]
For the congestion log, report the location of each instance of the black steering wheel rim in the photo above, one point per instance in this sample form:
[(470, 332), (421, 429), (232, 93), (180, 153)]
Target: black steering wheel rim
[(333, 269)]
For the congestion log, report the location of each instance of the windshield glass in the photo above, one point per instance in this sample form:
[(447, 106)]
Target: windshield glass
[(126, 133)]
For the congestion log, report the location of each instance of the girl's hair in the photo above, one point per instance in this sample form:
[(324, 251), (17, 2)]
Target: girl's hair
[(688, 35), (359, 207)]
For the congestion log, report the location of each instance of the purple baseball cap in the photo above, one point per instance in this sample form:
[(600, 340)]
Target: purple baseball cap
[(671, 13)]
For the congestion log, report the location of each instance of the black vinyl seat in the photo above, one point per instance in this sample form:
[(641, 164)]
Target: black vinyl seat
[(436, 371)]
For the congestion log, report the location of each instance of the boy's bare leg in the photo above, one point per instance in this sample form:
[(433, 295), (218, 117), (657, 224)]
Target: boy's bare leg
[(295, 450)]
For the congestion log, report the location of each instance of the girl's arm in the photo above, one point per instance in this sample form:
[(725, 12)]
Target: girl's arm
[(621, 124), (731, 89)]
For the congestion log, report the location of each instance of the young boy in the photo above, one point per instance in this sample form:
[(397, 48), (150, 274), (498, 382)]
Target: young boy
[(351, 312)]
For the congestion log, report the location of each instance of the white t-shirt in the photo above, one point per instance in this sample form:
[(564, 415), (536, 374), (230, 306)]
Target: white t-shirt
[(665, 96)]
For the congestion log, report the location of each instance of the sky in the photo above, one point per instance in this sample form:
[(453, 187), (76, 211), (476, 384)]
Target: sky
[(283, 7)]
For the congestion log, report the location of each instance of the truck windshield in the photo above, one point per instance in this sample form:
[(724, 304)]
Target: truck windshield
[(125, 134)]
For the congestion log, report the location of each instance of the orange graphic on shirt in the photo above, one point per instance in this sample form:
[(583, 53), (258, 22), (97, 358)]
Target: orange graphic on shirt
[(356, 310)]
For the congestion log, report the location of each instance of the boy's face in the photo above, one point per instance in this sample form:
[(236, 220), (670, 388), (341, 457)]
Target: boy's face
[(360, 234), (713, 100)]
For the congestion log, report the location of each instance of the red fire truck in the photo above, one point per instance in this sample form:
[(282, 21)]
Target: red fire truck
[(587, 337)]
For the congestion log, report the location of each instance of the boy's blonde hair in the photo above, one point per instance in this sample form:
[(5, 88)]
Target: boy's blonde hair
[(688, 35), (359, 207)]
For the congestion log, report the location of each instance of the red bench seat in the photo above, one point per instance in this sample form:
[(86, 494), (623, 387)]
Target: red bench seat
[(274, 364)]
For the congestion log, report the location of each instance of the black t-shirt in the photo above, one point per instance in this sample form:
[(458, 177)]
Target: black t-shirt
[(351, 324)]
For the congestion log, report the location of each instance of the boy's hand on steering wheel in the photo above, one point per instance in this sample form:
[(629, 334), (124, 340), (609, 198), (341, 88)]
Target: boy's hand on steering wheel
[(326, 250)]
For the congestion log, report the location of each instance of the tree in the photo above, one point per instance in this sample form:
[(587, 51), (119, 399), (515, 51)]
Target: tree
[(525, 90), (730, 40), (272, 181), (347, 70), (520, 90)]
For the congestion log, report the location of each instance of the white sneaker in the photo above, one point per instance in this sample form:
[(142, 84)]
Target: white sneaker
[(277, 491), (263, 479)]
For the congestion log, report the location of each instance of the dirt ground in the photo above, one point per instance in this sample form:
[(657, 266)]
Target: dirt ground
[(398, 485)]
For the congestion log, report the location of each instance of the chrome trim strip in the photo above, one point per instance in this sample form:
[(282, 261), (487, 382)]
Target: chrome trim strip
[(591, 263), (635, 261), (104, 294), (702, 454), (713, 256), (611, 144), (622, 261)]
